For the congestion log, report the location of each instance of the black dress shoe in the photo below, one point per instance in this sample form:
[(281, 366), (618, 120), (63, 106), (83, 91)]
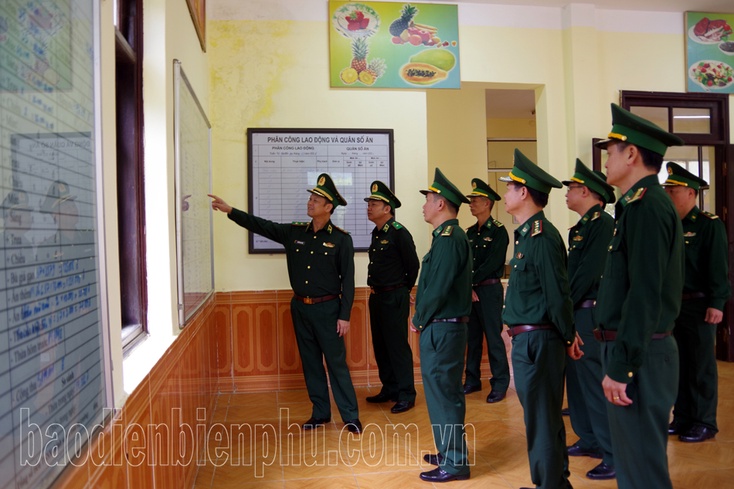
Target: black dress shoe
[(577, 450), (565, 412), (381, 397), (314, 422), (436, 459), (677, 427), (440, 475), (468, 389), (402, 406), (354, 426), (697, 433), (602, 472), (495, 396)]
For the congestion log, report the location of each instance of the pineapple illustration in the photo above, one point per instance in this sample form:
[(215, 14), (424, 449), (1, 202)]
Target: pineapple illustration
[(406, 18), (359, 54), (375, 69)]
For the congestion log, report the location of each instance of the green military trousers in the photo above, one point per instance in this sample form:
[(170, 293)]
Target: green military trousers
[(442, 361), (699, 376), (389, 326), (538, 360), (486, 321), (640, 430), (318, 341), (586, 401)]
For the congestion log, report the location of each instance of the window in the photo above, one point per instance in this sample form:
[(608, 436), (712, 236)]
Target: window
[(130, 196)]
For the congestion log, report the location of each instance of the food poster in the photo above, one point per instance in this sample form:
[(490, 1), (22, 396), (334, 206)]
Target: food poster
[(710, 52), (393, 45)]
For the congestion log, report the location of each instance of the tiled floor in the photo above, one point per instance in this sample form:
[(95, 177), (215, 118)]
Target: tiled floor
[(256, 443)]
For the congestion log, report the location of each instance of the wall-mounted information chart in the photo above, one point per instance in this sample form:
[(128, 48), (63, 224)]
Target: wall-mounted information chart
[(284, 163)]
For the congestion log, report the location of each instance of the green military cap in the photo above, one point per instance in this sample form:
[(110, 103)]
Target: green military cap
[(531, 175), (16, 200), (633, 129), (596, 181), (381, 192), (57, 193), (480, 189), (443, 187), (325, 188), (679, 176)]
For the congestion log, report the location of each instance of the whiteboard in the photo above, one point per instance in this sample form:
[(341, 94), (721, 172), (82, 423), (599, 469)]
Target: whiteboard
[(194, 251), (284, 163)]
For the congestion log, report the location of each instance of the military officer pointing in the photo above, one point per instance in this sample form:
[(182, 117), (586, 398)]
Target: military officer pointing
[(320, 259), (391, 274), (638, 301), (539, 313), (587, 193), (706, 289), (489, 241), (442, 307)]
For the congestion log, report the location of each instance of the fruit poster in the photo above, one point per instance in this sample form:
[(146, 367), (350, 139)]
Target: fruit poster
[(709, 52), (393, 45)]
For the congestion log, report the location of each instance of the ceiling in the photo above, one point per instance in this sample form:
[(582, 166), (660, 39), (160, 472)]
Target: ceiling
[(512, 104)]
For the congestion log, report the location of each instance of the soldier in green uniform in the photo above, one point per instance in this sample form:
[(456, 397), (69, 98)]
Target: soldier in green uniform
[(705, 291), (638, 301), (587, 194), (539, 313), (489, 240), (391, 275), (442, 308), (320, 260)]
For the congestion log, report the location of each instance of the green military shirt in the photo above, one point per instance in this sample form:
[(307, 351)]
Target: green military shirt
[(444, 287), (587, 252), (393, 260), (706, 257), (640, 291), (537, 292), (489, 247), (319, 263)]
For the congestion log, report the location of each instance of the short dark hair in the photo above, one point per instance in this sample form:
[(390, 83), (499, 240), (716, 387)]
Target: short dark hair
[(449, 204), (651, 159), (539, 198)]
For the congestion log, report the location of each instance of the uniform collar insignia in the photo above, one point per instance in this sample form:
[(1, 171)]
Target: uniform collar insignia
[(633, 195), (329, 228), (385, 227)]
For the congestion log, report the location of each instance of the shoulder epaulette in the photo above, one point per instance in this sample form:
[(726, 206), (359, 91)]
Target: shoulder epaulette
[(397, 225), (709, 215), (447, 232), (497, 223), (340, 229), (537, 228), (596, 216), (298, 223), (636, 196)]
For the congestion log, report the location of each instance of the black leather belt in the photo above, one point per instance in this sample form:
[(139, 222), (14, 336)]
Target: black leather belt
[(315, 300), (462, 319), (525, 328), (607, 335), (687, 296), (489, 281), (374, 289), (587, 304)]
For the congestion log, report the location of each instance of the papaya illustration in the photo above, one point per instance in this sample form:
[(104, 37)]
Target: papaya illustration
[(440, 58), (422, 73)]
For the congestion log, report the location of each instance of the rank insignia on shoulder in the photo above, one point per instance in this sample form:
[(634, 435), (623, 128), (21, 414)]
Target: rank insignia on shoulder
[(397, 225), (447, 231), (497, 223), (298, 223), (636, 196), (709, 215), (329, 245), (596, 216), (537, 228)]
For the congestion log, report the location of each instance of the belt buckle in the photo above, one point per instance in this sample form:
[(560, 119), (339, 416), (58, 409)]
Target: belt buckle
[(308, 300)]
